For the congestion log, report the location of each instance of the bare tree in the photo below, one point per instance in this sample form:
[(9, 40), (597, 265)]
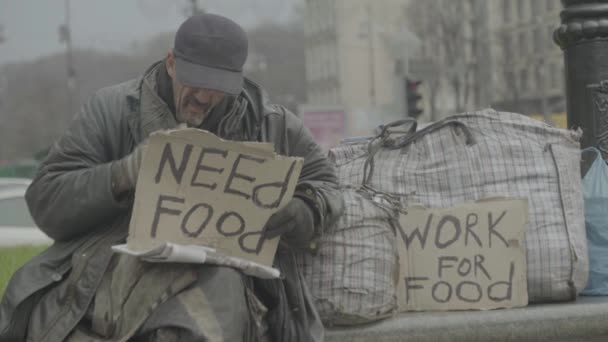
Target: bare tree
[(277, 62), (449, 43), (36, 109)]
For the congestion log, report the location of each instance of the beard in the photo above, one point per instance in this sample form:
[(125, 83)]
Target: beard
[(192, 112)]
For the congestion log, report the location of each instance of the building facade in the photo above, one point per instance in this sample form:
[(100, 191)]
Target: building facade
[(352, 59), (504, 56), (530, 75), (489, 53)]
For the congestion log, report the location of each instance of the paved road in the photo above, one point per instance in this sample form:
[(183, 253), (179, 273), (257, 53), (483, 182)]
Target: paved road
[(10, 237)]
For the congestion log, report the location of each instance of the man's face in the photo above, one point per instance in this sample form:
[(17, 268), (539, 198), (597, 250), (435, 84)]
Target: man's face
[(192, 105)]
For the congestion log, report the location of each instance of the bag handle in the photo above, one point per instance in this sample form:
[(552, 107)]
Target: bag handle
[(382, 138), (413, 124), (586, 165), (470, 140), (373, 148), (592, 149)]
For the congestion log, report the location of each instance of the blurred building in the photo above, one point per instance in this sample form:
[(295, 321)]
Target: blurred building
[(503, 56), (454, 63), (529, 77), (472, 54), (353, 58)]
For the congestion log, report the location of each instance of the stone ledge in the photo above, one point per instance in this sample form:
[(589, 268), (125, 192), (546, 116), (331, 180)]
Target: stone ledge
[(586, 319)]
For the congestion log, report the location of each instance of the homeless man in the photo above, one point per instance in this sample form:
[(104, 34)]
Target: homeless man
[(78, 290)]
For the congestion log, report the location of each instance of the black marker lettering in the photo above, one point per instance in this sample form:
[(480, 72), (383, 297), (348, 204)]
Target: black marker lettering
[(224, 217), (234, 174), (164, 210), (465, 267), (200, 167), (448, 295), (282, 185), (167, 157), (416, 233), (508, 284), (443, 264), (472, 220), (409, 286), (203, 225), (492, 226), (455, 223), (479, 259), (461, 296), (259, 243)]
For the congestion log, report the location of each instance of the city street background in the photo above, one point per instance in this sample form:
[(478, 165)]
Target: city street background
[(344, 66)]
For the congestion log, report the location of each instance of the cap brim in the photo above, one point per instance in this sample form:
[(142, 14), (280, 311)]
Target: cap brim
[(200, 76)]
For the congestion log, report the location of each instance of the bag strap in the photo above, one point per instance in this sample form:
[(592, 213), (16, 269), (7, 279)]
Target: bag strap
[(385, 129), (592, 149), (373, 146)]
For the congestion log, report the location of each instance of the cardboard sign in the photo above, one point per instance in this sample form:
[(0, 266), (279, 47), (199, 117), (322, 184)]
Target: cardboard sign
[(468, 257), (197, 189)]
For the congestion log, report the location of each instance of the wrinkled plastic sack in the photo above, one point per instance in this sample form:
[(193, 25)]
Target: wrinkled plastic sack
[(595, 192)]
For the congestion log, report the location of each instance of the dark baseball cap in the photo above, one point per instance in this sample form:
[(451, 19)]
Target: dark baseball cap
[(210, 51)]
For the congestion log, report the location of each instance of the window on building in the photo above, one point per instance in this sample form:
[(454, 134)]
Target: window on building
[(318, 61), (536, 8), (550, 77), (549, 37), (317, 13), (506, 10), (523, 45), (523, 80), (308, 59), (324, 61), (332, 13), (522, 9), (510, 81), (539, 78), (507, 46), (539, 38), (556, 76), (334, 61)]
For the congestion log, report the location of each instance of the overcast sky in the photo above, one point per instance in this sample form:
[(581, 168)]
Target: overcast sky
[(31, 26)]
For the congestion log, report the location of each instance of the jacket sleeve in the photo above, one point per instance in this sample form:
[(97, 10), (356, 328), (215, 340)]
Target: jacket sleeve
[(72, 193), (318, 174)]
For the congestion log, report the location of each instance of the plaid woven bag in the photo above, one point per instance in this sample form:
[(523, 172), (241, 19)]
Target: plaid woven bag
[(485, 154), (353, 274)]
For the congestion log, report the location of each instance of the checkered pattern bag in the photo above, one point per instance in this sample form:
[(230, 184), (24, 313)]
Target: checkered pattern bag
[(472, 156), (353, 274)]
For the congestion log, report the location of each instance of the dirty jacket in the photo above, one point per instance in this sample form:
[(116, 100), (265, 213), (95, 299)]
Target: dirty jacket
[(72, 202)]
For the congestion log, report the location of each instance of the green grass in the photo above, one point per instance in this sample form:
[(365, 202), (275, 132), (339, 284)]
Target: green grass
[(12, 258)]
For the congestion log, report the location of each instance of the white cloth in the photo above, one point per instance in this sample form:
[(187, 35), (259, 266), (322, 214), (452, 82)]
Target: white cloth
[(172, 252)]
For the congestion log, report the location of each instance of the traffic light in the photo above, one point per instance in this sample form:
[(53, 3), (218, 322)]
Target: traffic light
[(64, 33), (412, 97)]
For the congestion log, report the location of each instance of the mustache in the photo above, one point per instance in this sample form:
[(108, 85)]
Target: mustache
[(204, 106)]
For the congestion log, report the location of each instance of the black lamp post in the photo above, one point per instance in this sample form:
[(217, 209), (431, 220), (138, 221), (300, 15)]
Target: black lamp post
[(583, 36)]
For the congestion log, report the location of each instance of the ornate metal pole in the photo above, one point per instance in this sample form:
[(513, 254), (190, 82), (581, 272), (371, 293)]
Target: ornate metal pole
[(583, 36)]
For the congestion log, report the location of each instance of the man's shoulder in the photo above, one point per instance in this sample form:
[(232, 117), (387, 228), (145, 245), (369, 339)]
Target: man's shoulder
[(119, 91), (112, 104), (260, 99)]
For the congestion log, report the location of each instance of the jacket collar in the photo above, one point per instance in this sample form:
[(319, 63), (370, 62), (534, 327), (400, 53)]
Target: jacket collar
[(149, 113)]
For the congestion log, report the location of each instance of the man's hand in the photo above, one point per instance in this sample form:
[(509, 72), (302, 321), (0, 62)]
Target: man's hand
[(295, 222), (126, 170)]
